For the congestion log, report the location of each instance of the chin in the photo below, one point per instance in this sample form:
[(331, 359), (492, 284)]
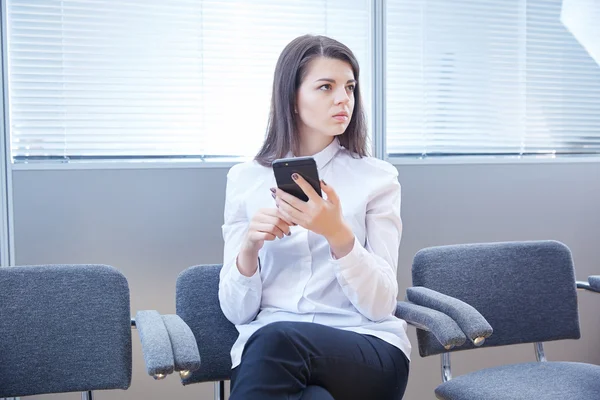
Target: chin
[(333, 131), (337, 130), (340, 131), (333, 134)]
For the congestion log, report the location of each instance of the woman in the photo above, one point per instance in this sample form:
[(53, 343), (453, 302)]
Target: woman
[(311, 286)]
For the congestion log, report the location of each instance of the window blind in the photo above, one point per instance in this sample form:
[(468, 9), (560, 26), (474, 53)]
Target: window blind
[(150, 78), (502, 77)]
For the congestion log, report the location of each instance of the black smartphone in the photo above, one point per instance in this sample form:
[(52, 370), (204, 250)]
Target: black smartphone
[(283, 169)]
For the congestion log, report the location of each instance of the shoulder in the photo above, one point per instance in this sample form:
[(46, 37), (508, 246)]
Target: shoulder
[(243, 171), (378, 166), (242, 180), (370, 166), (378, 179)]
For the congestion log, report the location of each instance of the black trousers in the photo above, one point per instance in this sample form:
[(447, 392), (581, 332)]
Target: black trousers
[(299, 360)]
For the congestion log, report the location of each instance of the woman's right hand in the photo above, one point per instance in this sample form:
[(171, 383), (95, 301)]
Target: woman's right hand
[(267, 224)]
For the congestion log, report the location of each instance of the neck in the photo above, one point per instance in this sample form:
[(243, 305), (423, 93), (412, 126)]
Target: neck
[(313, 145)]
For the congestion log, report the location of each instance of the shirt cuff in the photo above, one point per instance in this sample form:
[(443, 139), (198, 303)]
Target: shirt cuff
[(251, 282), (346, 264)]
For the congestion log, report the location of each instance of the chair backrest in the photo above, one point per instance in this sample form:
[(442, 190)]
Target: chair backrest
[(63, 328), (526, 290), (198, 305)]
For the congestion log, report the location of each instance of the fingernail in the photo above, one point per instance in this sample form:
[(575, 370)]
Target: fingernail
[(273, 195), (273, 190), (289, 233), (323, 182), (294, 176)]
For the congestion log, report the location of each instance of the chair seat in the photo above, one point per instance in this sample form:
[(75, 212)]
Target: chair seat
[(537, 380)]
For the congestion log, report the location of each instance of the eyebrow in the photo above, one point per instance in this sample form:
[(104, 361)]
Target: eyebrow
[(333, 80)]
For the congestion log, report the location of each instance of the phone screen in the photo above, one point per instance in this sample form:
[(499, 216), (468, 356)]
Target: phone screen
[(304, 166)]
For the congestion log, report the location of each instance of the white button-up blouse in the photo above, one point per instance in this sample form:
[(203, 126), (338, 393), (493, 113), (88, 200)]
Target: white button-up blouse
[(298, 279)]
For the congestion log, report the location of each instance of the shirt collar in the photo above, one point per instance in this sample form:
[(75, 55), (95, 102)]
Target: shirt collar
[(323, 157)]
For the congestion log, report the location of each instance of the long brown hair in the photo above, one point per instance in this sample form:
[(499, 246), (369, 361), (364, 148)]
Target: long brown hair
[(291, 68)]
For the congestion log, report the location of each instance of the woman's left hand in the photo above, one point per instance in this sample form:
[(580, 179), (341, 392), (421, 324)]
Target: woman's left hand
[(320, 215)]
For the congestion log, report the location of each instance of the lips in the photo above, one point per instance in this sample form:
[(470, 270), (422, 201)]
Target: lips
[(341, 116)]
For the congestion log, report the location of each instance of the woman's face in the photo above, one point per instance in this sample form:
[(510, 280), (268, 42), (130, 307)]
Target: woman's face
[(325, 98)]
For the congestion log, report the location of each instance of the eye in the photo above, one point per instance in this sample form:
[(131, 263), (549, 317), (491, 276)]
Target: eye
[(351, 88), (324, 87)]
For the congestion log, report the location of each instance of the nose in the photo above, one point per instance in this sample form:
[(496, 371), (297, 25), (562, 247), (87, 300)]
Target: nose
[(341, 96)]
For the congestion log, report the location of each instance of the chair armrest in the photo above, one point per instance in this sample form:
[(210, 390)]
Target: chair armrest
[(444, 328), (470, 321), (156, 345), (185, 348), (594, 281), (593, 284)]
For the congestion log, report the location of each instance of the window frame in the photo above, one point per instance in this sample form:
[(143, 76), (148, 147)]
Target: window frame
[(377, 126)]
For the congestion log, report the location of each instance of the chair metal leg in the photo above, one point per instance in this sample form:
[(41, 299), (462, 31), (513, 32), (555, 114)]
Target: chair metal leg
[(446, 368), (220, 390), (539, 352), (87, 395)]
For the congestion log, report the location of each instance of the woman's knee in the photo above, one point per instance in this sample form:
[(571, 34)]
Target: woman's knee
[(276, 330), (276, 335)]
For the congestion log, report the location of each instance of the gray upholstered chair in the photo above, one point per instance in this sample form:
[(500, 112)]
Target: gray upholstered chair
[(198, 305), (527, 292), (67, 328)]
